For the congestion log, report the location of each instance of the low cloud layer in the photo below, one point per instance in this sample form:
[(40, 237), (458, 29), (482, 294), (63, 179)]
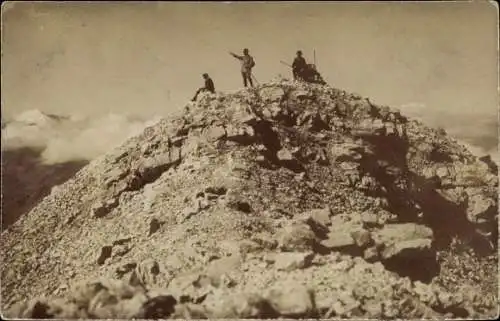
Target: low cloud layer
[(64, 139), (477, 131)]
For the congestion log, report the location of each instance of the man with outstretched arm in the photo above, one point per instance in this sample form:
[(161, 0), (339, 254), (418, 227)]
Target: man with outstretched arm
[(209, 86), (247, 63)]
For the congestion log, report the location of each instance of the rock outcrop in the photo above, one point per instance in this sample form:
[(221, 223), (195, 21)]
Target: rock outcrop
[(287, 200)]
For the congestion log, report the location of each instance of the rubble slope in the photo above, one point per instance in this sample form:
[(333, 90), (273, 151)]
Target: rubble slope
[(289, 199)]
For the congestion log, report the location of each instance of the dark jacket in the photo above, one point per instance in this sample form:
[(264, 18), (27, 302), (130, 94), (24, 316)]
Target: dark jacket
[(299, 63), (209, 85)]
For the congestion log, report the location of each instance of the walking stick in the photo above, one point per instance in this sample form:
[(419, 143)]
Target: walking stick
[(253, 77)]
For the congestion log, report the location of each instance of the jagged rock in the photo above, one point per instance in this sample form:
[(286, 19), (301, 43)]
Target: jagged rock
[(457, 196), (188, 311), (265, 240), (320, 216), (105, 298), (291, 300), (125, 268), (285, 155), (401, 232), (404, 240), (272, 94), (426, 294), (480, 208), (369, 184), (215, 133), (242, 135), (362, 238), (102, 208), (291, 261), (145, 273), (105, 254), (223, 304), (249, 246), (295, 237), (158, 307), (370, 219), (154, 226), (217, 190), (347, 306), (121, 249), (338, 240), (407, 248), (371, 254)]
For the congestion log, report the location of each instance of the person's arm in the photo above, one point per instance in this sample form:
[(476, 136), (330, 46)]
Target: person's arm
[(235, 55)]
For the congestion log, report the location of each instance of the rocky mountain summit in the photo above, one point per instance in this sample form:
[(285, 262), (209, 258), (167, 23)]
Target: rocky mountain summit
[(287, 200)]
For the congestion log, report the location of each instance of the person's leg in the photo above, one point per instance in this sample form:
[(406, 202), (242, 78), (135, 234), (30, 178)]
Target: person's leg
[(196, 95), (249, 76), (244, 78)]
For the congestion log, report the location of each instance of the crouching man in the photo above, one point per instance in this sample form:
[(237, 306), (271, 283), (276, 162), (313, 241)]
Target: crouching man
[(209, 86)]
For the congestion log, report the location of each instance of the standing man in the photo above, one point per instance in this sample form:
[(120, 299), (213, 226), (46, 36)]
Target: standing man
[(209, 86), (247, 63), (299, 65)]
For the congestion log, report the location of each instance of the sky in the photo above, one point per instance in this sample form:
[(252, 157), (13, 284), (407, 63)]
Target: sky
[(437, 60)]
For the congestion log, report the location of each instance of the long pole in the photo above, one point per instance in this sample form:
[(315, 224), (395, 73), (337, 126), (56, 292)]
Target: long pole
[(284, 63), (256, 81), (314, 54)]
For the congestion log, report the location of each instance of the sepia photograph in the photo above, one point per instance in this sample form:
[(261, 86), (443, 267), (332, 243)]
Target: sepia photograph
[(249, 160)]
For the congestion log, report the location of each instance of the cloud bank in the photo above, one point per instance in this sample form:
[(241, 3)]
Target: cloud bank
[(65, 139)]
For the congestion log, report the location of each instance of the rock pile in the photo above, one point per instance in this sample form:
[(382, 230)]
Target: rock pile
[(287, 200)]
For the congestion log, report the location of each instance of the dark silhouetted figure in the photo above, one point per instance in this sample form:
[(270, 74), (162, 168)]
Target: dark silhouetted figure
[(209, 86), (247, 63), (298, 66)]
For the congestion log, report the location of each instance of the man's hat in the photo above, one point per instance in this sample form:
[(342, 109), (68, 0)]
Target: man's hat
[(299, 52), (245, 50), (205, 75)]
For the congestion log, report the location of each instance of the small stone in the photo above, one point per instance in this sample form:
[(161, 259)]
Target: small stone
[(285, 155), (370, 219), (154, 226), (291, 300), (145, 273), (321, 216), (272, 94), (121, 249), (481, 209), (189, 211), (338, 240), (105, 254), (102, 208), (296, 151), (215, 133), (371, 254), (295, 236), (217, 190), (124, 269), (300, 177), (373, 309), (362, 238)]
